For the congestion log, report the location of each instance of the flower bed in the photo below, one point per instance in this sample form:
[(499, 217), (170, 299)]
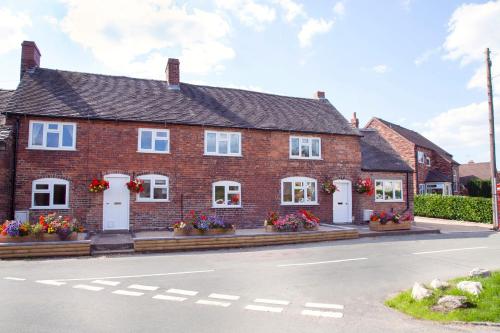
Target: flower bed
[(303, 220), (199, 224), (49, 228), (389, 221)]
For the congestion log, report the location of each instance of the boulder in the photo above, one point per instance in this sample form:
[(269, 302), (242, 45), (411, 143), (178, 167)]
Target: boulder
[(471, 287), (479, 272), (449, 303), (438, 284), (419, 292)]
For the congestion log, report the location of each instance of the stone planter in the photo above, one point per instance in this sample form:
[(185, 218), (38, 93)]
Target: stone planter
[(20, 239), (390, 226), (210, 232), (44, 238), (272, 228)]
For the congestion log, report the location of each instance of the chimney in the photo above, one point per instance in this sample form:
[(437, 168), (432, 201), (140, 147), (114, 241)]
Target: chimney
[(173, 74), (30, 57), (354, 121), (319, 95), (471, 162)]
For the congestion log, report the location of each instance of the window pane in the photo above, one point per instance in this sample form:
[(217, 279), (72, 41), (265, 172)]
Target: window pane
[(398, 194), (287, 192), (222, 147), (211, 142), (388, 190), (59, 194), (219, 195), (147, 189), (160, 182), (160, 193), (315, 148), (233, 199), (234, 143), (234, 188), (42, 199), (42, 186), (161, 134), (67, 136), (311, 191), (295, 147), (379, 191), (146, 140), (52, 139), (305, 149), (161, 145), (53, 126), (37, 134), (299, 195)]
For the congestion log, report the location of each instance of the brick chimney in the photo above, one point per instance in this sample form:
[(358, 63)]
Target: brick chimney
[(354, 121), (30, 57), (173, 74), (319, 95)]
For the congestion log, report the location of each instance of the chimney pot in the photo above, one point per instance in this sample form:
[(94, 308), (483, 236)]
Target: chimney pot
[(354, 121), (173, 74), (319, 95), (30, 56)]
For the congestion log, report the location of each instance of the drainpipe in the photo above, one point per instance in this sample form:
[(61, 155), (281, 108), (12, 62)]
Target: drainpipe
[(407, 190), (417, 188), (14, 169)]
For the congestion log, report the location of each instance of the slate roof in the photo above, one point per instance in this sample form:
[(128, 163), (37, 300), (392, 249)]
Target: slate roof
[(418, 139), (4, 98), (473, 170), (378, 155), (436, 176), (55, 93)]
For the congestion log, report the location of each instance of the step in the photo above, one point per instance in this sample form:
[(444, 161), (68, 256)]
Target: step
[(114, 241), (111, 252)]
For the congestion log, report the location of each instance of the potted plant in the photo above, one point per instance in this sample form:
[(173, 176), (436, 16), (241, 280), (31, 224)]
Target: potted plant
[(270, 220), (15, 231), (199, 224), (136, 185), (328, 186), (388, 221), (300, 221), (364, 186), (98, 185)]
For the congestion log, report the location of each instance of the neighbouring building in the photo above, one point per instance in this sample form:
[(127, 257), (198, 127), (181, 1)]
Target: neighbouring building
[(6, 161), (435, 171), (230, 152), (473, 170)]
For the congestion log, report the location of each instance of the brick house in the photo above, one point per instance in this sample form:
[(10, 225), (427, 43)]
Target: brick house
[(230, 152), (6, 166), (435, 171)]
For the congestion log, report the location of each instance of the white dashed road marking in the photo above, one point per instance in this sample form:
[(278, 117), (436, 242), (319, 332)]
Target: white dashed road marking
[(141, 287), (271, 301), (452, 250), (264, 308), (325, 306), (182, 292), (214, 303), (316, 313), (170, 298), (14, 278), (87, 287), (127, 293), (322, 262), (106, 282), (51, 282), (226, 297), (136, 276)]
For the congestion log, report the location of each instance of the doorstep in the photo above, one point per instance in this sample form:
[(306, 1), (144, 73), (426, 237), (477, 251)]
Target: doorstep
[(112, 243)]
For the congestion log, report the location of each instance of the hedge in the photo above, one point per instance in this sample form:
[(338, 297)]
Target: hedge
[(479, 188), (454, 207)]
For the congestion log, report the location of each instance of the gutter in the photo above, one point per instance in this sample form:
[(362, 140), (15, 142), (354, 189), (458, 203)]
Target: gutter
[(13, 172)]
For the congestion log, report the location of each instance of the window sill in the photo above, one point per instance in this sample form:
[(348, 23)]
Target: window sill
[(52, 149), (300, 204), (153, 152), (49, 207), (223, 155), (213, 206), (153, 200), (389, 201), (306, 158)]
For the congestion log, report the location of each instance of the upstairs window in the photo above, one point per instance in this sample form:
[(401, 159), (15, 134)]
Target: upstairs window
[(421, 157), (50, 193), (155, 188), (52, 135), (154, 140), (299, 191), (226, 194), (388, 190), (428, 161), (222, 143), (305, 147)]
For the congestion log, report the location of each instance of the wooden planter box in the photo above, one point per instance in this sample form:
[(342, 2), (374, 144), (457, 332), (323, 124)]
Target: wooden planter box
[(390, 226), (196, 232), (44, 238), (272, 228)]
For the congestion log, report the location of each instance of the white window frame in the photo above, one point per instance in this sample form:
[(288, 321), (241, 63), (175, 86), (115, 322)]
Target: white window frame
[(301, 138), (46, 130), (428, 161), (226, 184), (304, 180), (50, 182), (393, 190), (217, 140), (152, 178), (154, 137), (421, 157), (421, 189)]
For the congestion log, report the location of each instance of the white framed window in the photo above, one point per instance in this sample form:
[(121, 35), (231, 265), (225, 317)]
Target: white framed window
[(153, 140), (52, 135), (388, 190), (421, 188), (222, 143), (156, 189), (299, 191), (226, 194), (50, 193), (428, 161), (305, 147), (421, 157)]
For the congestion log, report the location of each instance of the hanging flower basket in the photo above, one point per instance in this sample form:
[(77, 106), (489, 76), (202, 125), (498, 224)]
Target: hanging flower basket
[(328, 186), (136, 186), (364, 186), (98, 185)]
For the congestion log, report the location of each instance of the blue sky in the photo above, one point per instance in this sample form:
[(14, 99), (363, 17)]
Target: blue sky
[(416, 63)]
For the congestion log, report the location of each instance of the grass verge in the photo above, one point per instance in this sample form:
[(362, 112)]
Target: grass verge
[(485, 307)]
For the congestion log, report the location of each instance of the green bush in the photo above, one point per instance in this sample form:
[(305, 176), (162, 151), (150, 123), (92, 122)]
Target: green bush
[(454, 207), (479, 188)]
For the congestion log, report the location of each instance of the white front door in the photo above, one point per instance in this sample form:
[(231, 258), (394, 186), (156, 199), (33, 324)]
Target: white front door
[(342, 202), (116, 203)]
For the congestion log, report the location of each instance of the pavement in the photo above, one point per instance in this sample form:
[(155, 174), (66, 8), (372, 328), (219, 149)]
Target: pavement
[(335, 286)]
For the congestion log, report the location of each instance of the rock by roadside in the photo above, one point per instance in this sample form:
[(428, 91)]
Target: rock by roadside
[(449, 303), (419, 292), (471, 287), (479, 272), (438, 284)]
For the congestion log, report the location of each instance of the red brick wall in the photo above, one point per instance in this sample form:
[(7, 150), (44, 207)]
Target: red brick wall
[(111, 147), (5, 178)]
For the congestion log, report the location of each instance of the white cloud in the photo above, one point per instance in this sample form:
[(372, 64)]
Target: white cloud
[(471, 29), (139, 37), (292, 9), (249, 12), (311, 28), (12, 29), (380, 69), (424, 57), (339, 8)]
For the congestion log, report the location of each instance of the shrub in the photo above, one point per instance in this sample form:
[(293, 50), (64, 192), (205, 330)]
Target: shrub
[(479, 188), (454, 207)]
